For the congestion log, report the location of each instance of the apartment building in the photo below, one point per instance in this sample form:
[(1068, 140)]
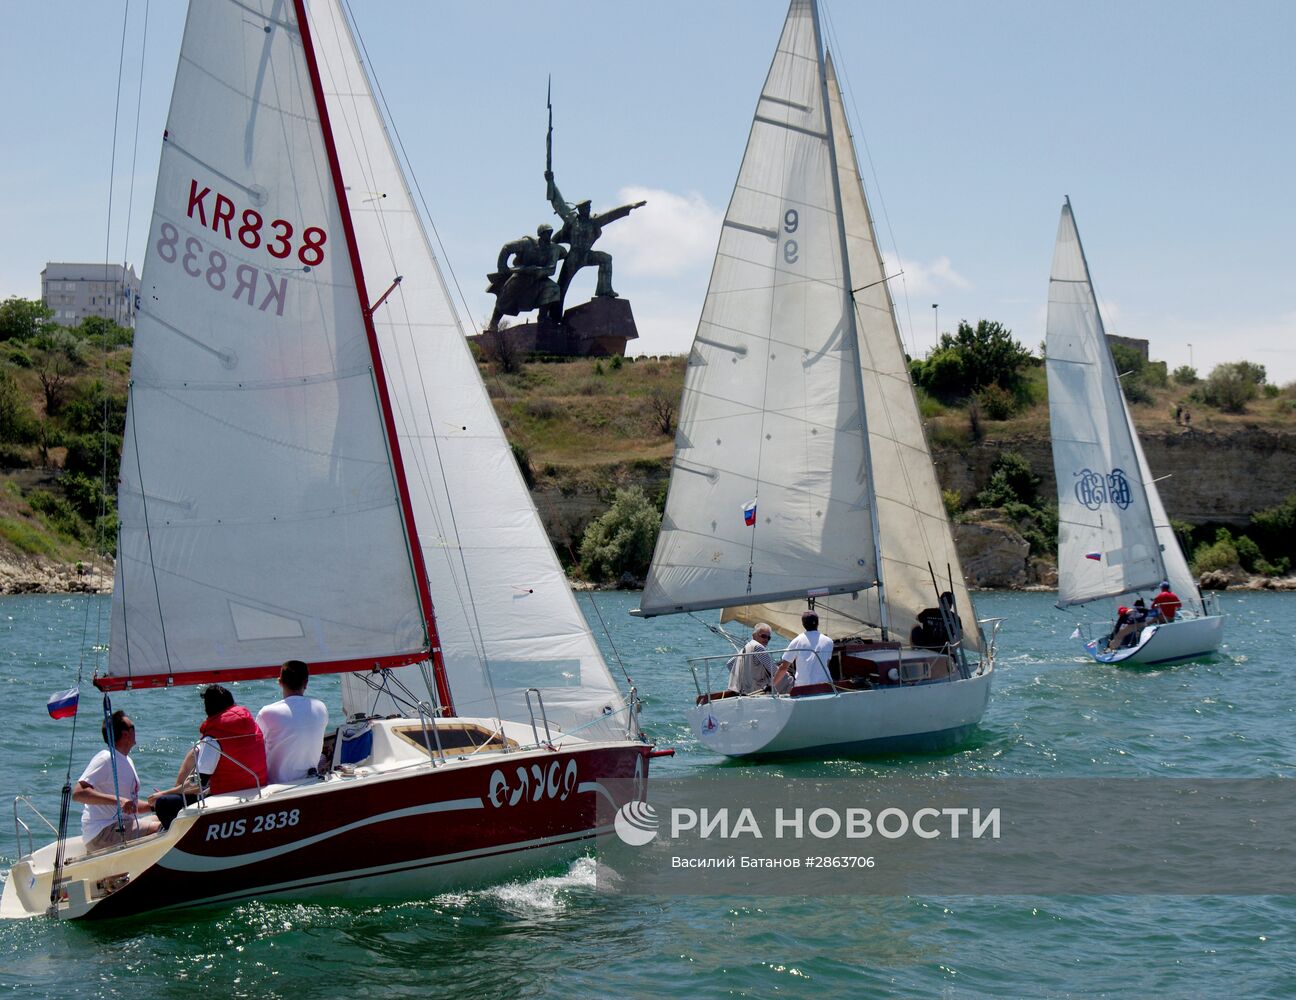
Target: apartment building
[(77, 291)]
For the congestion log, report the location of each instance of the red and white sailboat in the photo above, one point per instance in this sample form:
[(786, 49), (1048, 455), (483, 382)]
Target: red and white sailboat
[(311, 465)]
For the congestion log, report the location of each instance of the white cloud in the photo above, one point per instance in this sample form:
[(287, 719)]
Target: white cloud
[(925, 279), (672, 236)]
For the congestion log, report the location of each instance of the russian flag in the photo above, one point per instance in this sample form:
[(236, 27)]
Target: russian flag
[(1095, 556), (749, 513), (63, 705)]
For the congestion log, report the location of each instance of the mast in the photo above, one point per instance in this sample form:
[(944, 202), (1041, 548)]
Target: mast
[(415, 550), (848, 304)]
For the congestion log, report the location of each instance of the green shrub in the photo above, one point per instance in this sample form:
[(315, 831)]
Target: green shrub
[(1185, 375), (996, 403), (1232, 385), (953, 500), (622, 539), (57, 513), (971, 359), (524, 465), (616, 362), (1011, 480), (1218, 555)]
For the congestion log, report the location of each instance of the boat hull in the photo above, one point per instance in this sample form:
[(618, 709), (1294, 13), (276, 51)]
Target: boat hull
[(1178, 641), (401, 835), (911, 718)]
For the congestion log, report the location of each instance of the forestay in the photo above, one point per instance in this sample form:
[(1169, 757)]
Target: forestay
[(1107, 542), (505, 612), (769, 494), (260, 517)]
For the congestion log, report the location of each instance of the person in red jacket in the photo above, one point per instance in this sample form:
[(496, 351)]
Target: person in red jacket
[(229, 757), (1166, 602)]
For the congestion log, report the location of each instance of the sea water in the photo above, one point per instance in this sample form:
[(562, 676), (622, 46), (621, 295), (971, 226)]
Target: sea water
[(1053, 713)]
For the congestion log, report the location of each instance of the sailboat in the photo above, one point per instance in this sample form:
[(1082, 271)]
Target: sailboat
[(311, 465), (802, 476), (1114, 538)]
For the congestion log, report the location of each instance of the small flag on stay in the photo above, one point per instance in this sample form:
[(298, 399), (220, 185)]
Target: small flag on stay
[(749, 513), (63, 705), (1095, 556)]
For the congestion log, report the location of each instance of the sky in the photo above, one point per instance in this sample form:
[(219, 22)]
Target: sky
[(1171, 124)]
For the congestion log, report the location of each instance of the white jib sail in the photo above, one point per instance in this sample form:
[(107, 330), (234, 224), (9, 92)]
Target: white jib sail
[(769, 495), (915, 538), (259, 514), (1107, 543), (505, 612)]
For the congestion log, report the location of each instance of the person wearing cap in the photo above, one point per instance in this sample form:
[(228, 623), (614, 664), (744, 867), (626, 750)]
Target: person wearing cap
[(1167, 603), (1134, 619), (806, 657)]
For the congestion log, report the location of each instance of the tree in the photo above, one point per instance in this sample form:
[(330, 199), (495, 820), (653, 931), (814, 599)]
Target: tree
[(971, 359), (1232, 385), (16, 424), (1185, 375), (622, 539), (663, 411), (57, 358), (104, 332), (22, 319)]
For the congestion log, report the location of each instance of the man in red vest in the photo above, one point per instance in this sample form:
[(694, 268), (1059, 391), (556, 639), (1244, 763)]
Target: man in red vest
[(229, 757), (1167, 602)]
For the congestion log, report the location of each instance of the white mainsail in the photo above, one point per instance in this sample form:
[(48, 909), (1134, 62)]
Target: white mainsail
[(1108, 543), (892, 481), (771, 414), (260, 518), (505, 614)]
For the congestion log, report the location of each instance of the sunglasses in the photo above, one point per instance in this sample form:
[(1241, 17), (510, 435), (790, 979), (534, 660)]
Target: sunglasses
[(127, 729)]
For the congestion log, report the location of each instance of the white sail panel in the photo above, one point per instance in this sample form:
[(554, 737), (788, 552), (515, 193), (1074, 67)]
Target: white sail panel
[(259, 514), (1107, 544), (914, 531), (505, 613), (770, 412), (1177, 573)]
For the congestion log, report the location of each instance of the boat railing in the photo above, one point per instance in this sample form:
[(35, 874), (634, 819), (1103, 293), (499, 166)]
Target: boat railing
[(21, 829), (725, 662), (256, 782), (544, 718)]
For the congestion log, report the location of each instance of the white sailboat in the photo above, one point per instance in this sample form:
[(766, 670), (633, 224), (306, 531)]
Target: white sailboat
[(311, 465), (801, 472), (1114, 538)]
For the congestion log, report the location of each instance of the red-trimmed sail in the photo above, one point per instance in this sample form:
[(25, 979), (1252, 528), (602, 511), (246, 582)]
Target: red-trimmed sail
[(263, 516)]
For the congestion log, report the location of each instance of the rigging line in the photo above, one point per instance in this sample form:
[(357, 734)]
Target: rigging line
[(615, 652), (419, 391), (845, 86), (408, 164)]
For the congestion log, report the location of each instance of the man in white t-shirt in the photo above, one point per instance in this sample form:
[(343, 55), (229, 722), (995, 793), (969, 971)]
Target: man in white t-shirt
[(806, 657), (103, 796), (294, 727)]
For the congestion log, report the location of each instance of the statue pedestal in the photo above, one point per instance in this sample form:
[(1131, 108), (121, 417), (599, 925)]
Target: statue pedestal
[(598, 328)]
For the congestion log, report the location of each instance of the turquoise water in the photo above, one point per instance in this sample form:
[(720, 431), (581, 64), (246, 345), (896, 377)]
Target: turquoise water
[(1052, 714)]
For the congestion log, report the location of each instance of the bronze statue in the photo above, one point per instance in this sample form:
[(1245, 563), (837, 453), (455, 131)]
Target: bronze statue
[(527, 283), (580, 229)]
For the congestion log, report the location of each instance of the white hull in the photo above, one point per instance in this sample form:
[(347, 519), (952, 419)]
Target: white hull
[(1174, 642), (916, 717)]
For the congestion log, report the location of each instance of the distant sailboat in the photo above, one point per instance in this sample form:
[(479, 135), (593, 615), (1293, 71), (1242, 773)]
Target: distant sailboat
[(801, 473), (311, 463), (1114, 538)]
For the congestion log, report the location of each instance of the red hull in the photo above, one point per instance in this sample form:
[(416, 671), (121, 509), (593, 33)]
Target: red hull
[(391, 835)]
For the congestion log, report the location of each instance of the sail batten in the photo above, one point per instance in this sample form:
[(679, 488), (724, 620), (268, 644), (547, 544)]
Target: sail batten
[(275, 494)]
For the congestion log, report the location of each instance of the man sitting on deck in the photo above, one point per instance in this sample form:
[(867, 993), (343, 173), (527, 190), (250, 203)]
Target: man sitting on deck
[(807, 656), (1167, 602), (750, 670)]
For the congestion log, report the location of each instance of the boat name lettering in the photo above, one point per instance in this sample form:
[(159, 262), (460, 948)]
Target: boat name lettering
[(260, 824), (214, 269), (553, 782), (1093, 489), (278, 239)]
